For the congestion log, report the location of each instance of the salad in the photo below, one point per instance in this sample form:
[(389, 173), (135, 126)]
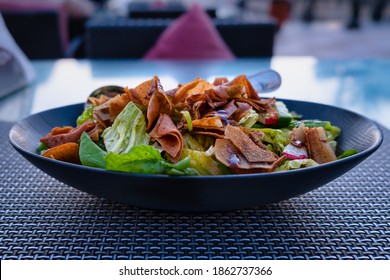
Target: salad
[(199, 128)]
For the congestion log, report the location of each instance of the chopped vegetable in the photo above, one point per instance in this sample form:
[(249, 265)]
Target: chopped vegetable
[(249, 119), (127, 131), (204, 163), (90, 153), (294, 152), (86, 115), (347, 153), (275, 139), (187, 116), (145, 159), (296, 164), (281, 118)]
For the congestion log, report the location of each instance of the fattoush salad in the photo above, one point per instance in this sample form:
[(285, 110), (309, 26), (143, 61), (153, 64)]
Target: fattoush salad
[(198, 128)]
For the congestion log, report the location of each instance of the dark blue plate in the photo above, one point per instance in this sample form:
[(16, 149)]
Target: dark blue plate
[(203, 193)]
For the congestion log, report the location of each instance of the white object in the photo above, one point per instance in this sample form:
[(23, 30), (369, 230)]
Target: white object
[(16, 70)]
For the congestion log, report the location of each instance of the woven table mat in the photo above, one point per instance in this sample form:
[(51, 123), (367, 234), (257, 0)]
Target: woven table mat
[(42, 218)]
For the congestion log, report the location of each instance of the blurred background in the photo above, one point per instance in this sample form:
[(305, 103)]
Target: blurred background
[(46, 29)]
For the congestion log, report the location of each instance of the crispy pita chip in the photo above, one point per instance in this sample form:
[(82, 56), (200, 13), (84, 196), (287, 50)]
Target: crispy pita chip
[(194, 87), (98, 101), (242, 109), (169, 137), (60, 130), (199, 104), (117, 104), (262, 105), (227, 153), (256, 136), (206, 123), (72, 135), (143, 90), (224, 113), (68, 152), (201, 87), (250, 150), (319, 149), (247, 88), (211, 126), (107, 112), (134, 96), (220, 80), (209, 132), (159, 103)]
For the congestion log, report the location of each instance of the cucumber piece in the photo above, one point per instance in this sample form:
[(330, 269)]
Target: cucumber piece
[(282, 119)]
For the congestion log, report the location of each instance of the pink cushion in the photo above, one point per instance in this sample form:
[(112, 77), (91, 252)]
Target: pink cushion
[(24, 5), (191, 36)]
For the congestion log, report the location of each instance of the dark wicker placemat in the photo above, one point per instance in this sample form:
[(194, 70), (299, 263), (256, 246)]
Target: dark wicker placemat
[(42, 218)]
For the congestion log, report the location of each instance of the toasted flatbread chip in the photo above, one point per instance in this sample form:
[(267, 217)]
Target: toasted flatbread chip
[(68, 152), (195, 87)]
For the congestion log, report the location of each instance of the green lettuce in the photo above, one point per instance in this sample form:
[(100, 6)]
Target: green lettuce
[(91, 154), (347, 153), (86, 115), (249, 119), (275, 139), (145, 159), (197, 142), (204, 163), (296, 164), (127, 131)]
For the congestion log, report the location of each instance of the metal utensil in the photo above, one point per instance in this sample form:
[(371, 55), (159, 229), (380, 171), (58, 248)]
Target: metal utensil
[(265, 81)]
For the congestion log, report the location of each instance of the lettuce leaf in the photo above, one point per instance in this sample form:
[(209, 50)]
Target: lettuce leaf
[(347, 153), (296, 164), (191, 143), (276, 140), (204, 163), (140, 159), (145, 159), (198, 142), (249, 119), (127, 131), (86, 115), (91, 154)]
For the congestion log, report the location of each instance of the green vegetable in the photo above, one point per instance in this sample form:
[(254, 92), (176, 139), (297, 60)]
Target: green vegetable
[(296, 164), (275, 139), (310, 123), (147, 160), (91, 154), (187, 116), (198, 142), (127, 131), (86, 115), (282, 119), (347, 153), (249, 119), (140, 159), (42, 147), (204, 163), (191, 143), (332, 132)]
